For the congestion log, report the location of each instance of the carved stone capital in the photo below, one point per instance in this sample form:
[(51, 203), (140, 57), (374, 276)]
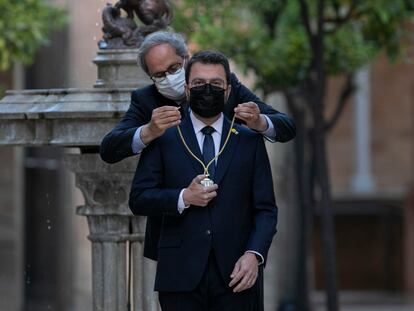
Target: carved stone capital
[(105, 186)]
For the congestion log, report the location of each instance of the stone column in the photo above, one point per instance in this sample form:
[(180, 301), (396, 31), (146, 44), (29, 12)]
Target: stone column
[(362, 181), (408, 244), (143, 270), (280, 270), (113, 230)]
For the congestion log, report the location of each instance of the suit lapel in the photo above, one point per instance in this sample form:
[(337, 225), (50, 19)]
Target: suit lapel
[(224, 159), (191, 140)]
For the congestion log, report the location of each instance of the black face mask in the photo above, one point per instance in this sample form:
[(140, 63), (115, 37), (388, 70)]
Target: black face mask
[(207, 100)]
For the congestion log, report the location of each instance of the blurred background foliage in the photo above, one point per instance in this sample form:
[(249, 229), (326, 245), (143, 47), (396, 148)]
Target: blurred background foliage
[(25, 25), (269, 38)]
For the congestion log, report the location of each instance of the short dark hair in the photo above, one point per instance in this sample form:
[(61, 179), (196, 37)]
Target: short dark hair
[(208, 57)]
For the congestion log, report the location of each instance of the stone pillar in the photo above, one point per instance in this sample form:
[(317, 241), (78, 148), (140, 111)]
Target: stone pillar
[(113, 231), (143, 275), (11, 229), (362, 181), (280, 271), (408, 244)]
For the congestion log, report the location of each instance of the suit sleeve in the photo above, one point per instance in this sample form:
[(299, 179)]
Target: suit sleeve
[(284, 126), (116, 145), (148, 197), (265, 210)]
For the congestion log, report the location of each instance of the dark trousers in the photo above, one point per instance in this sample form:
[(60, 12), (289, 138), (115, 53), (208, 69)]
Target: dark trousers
[(212, 294)]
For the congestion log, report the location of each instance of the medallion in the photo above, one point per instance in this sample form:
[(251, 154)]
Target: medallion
[(207, 182)]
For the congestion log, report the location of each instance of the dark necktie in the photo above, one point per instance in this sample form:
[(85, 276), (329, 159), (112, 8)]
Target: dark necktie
[(208, 149)]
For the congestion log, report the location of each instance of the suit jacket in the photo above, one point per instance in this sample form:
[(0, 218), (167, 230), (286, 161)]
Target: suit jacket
[(116, 145), (242, 217)]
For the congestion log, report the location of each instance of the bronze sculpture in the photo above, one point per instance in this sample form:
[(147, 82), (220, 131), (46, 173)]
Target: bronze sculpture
[(123, 32)]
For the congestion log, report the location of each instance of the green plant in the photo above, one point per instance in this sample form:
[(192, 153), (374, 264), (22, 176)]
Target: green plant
[(24, 26)]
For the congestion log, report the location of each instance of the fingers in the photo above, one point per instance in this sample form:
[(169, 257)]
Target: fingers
[(247, 111), (210, 189), (207, 194), (244, 273), (247, 281), (235, 273), (164, 109), (244, 278), (245, 116), (248, 105), (198, 195), (198, 179), (166, 114), (163, 118), (168, 121)]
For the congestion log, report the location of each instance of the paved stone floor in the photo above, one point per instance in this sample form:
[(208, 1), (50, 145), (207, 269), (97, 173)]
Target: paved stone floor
[(367, 301)]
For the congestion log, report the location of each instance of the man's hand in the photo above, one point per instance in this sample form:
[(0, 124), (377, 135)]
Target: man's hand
[(245, 272), (162, 118), (249, 112), (197, 194)]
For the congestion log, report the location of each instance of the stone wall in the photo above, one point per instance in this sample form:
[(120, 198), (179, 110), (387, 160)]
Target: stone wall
[(392, 113)]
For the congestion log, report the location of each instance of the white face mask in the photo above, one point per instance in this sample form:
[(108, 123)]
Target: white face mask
[(173, 86)]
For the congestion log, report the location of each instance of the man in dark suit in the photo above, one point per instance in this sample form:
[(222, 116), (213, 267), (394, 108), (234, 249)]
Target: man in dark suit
[(213, 237)]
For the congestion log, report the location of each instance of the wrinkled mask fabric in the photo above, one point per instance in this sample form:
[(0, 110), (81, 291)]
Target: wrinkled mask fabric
[(173, 86), (207, 100)]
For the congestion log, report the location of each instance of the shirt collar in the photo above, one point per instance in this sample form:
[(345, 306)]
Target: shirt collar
[(198, 125)]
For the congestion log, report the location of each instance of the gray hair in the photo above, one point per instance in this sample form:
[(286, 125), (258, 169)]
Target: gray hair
[(175, 40)]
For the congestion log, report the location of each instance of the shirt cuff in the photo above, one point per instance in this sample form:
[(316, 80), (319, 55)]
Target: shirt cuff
[(180, 204), (270, 131), (261, 261), (137, 144)]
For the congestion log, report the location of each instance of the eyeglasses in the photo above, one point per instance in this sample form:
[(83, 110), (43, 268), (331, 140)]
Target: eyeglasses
[(215, 82), (173, 69)]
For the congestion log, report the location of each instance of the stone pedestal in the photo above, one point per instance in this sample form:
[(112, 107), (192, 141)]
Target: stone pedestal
[(119, 68), (121, 277)]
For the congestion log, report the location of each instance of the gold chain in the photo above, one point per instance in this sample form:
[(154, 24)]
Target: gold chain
[(218, 154)]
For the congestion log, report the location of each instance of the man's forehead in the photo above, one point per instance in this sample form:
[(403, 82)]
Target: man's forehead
[(160, 57), (207, 71)]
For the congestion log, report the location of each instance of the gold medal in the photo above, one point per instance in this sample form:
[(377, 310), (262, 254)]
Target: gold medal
[(207, 182)]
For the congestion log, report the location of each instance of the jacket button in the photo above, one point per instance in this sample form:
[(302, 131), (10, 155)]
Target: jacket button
[(208, 232)]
